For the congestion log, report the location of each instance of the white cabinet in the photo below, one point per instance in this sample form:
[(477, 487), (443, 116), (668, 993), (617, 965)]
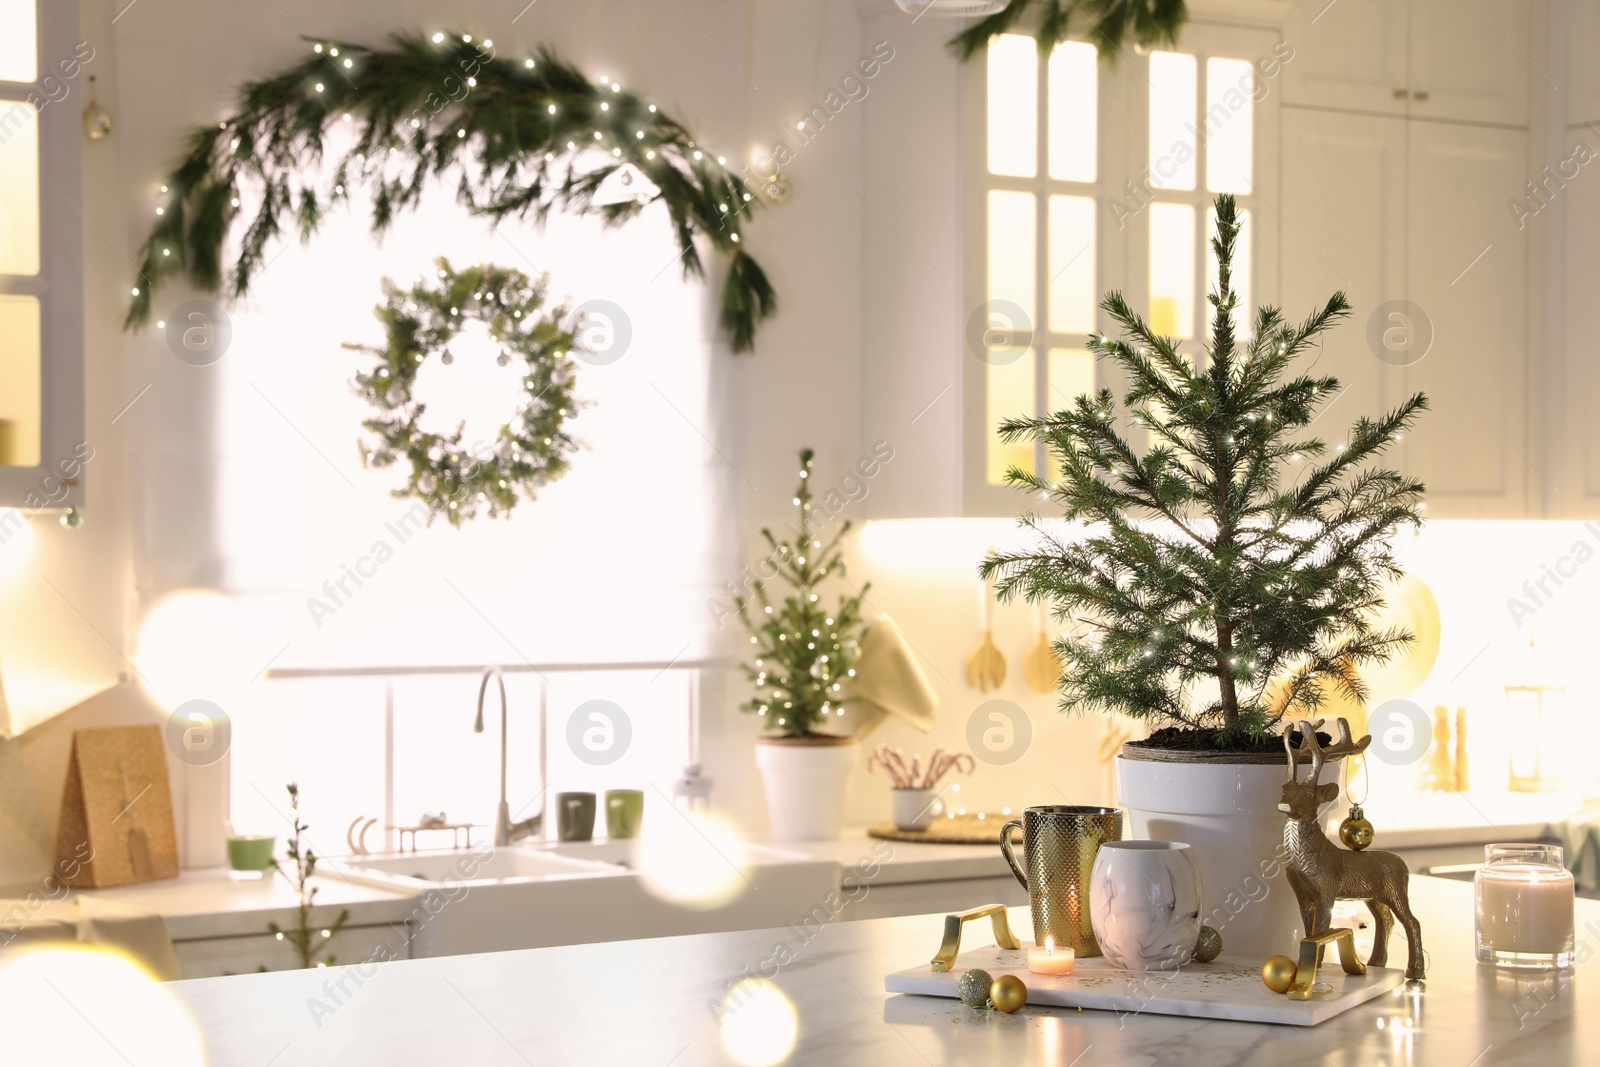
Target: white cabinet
[(1409, 219), (1344, 183), (1464, 60), (1350, 54), (1581, 32), (213, 956), (1575, 463), (1470, 60), (1467, 270)]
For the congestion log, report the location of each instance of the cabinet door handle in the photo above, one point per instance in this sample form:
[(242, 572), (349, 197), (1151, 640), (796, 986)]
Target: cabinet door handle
[(1420, 95), (1399, 94)]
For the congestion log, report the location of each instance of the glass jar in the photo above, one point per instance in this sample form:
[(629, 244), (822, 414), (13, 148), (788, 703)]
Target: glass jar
[(1524, 907)]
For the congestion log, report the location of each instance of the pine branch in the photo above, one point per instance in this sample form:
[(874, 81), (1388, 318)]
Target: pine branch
[(500, 130)]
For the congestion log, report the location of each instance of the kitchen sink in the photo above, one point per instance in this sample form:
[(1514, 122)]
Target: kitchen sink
[(538, 894), (480, 864)]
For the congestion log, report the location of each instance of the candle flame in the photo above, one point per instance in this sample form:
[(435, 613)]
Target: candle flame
[(1049, 945)]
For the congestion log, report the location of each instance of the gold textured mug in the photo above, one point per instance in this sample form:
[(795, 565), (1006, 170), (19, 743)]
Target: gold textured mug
[(1060, 842)]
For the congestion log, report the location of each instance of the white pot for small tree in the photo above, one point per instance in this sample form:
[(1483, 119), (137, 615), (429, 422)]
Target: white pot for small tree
[(805, 779), (801, 656), (1228, 813)]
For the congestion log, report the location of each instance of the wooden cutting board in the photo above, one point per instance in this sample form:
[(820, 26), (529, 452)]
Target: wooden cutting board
[(971, 829)]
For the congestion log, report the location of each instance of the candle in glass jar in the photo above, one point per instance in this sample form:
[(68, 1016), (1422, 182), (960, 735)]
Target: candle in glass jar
[(1051, 960), (1524, 907)]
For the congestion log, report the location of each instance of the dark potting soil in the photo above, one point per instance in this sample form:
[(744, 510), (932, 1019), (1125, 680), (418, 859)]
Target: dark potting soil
[(1188, 739)]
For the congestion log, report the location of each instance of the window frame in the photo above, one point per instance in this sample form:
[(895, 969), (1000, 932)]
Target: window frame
[(59, 283), (1122, 258)]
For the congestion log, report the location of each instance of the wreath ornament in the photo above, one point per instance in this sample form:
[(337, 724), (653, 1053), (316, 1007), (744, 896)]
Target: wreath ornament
[(454, 480)]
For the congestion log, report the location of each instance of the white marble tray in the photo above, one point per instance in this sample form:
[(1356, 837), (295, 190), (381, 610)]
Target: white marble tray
[(1226, 988)]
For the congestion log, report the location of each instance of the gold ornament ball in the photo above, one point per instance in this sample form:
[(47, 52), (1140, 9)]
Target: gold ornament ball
[(1008, 993), (1355, 833), (974, 988), (1209, 946), (1278, 973)]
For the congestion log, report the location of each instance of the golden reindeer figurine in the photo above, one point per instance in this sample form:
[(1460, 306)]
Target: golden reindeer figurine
[(1321, 872)]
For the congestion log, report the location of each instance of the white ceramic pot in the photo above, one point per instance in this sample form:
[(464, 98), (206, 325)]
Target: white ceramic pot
[(1144, 901), (913, 808), (1229, 813), (805, 780)]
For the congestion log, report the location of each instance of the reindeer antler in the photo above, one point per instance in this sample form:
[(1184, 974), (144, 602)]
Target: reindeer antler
[(1344, 746), (1308, 733)]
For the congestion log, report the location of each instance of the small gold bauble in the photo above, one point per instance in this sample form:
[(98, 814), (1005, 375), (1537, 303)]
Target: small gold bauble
[(1356, 831), (974, 988), (1209, 946), (1008, 993), (1278, 973)]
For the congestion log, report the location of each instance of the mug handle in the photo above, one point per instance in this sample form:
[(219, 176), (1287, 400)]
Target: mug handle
[(1005, 849)]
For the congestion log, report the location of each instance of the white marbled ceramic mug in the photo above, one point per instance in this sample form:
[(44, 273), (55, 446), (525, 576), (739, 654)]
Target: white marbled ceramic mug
[(1144, 901)]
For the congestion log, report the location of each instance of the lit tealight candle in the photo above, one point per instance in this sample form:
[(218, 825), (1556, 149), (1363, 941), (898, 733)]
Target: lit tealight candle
[(1048, 960)]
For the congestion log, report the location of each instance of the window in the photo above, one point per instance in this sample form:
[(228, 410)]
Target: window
[(368, 702), (1085, 178), (41, 344)]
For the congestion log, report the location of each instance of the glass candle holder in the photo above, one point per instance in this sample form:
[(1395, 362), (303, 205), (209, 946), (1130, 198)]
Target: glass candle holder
[(1524, 907)]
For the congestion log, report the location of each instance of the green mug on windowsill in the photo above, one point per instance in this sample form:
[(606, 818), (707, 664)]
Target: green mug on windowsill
[(251, 852), (624, 812)]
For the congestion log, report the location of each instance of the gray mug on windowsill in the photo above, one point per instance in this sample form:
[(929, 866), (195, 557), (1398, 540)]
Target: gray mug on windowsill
[(575, 816), (1060, 842)]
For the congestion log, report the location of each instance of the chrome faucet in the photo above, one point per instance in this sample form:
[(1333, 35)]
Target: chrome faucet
[(506, 831)]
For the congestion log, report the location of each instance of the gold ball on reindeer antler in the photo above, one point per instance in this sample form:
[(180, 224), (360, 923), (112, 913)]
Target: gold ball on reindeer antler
[(1278, 973), (1355, 831)]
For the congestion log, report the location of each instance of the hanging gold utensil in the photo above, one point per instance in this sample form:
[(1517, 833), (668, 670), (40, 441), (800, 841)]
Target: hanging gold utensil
[(1042, 668), (986, 667)]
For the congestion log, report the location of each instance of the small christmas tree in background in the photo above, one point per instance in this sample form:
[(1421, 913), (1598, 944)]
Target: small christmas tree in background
[(803, 651), (305, 938), (1230, 572)]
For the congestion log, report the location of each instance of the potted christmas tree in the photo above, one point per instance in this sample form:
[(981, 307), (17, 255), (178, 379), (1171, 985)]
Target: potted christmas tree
[(1223, 578), (801, 660)]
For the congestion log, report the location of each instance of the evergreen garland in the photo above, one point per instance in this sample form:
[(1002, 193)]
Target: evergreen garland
[(1264, 566), (804, 651), (529, 451), (510, 133), (1112, 23)]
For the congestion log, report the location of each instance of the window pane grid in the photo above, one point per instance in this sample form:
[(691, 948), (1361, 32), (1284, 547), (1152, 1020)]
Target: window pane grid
[(1201, 131)]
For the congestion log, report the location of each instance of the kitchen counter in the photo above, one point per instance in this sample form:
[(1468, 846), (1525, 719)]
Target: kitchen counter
[(207, 903), (655, 1003), (907, 861)]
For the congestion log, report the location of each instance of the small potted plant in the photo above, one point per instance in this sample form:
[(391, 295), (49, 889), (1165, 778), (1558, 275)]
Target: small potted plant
[(1223, 578), (802, 655), (915, 789)]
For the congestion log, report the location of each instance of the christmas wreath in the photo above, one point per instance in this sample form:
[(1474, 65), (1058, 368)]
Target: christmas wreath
[(531, 450), (514, 136)]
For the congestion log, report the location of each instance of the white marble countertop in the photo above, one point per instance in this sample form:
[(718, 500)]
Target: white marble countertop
[(648, 1003)]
